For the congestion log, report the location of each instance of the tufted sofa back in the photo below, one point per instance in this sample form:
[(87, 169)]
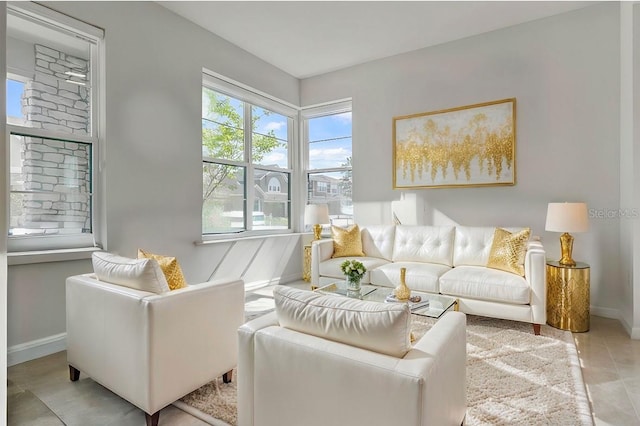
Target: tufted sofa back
[(472, 245), (432, 244), (377, 241), (446, 245)]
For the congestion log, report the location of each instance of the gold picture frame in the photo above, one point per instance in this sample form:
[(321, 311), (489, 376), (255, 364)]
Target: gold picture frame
[(473, 145)]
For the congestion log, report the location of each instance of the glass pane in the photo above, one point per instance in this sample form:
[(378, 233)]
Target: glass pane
[(330, 141), (335, 190), (57, 87), (50, 182), (269, 138), (15, 91), (272, 200), (223, 198), (222, 126)]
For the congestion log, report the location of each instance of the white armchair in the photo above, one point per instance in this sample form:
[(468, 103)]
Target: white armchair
[(152, 349), (292, 377)]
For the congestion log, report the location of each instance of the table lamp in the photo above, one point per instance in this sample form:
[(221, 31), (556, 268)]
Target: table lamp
[(565, 218), (316, 215)]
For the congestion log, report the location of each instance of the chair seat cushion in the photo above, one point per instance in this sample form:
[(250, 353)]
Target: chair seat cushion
[(379, 327), (478, 282), (419, 276), (331, 267)]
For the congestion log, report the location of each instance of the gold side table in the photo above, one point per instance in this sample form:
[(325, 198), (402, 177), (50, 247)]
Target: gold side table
[(306, 263), (568, 296)]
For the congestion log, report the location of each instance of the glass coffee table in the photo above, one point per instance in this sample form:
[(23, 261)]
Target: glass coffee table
[(438, 304)]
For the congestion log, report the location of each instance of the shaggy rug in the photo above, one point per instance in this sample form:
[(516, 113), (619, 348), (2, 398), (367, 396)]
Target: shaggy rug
[(513, 377)]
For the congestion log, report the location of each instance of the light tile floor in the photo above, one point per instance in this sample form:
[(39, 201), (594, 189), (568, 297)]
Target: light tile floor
[(40, 393)]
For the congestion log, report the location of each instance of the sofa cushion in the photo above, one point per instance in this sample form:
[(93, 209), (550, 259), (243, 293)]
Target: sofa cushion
[(377, 241), (432, 244), (141, 274), (419, 276), (378, 327), (346, 242), (170, 267), (508, 250), (331, 267), (483, 283), (472, 245)]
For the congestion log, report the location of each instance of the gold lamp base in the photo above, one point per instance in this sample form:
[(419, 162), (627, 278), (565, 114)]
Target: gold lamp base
[(317, 231), (566, 246)]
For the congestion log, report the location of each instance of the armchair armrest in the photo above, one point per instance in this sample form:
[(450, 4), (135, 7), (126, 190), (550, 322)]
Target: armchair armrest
[(321, 250), (535, 270)]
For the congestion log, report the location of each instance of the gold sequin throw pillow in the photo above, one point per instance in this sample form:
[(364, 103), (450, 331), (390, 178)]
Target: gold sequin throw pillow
[(346, 242), (170, 267), (508, 250)]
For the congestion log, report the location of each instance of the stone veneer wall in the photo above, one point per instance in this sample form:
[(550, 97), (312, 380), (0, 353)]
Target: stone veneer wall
[(51, 103)]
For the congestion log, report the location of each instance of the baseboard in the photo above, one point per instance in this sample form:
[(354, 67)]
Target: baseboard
[(634, 332), (605, 312), (24, 352)]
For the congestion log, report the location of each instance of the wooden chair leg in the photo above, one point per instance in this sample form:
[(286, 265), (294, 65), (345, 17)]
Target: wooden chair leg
[(228, 376), (536, 329), (74, 374), (152, 419)]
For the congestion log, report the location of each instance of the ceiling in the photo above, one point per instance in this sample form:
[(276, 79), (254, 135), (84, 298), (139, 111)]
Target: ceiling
[(307, 38)]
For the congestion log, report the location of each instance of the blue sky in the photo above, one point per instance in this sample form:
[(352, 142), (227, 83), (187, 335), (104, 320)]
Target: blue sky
[(14, 91), (330, 136)]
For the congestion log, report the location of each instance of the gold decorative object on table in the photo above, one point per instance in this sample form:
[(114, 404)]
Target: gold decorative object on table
[(402, 292), (565, 218), (568, 296)]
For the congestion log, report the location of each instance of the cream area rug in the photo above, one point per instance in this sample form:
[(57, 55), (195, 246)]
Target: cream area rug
[(513, 377)]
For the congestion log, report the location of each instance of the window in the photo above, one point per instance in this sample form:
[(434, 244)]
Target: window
[(51, 120), (327, 132), (246, 160)]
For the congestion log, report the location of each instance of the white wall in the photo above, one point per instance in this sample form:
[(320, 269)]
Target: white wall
[(3, 218), (152, 159), (564, 73)]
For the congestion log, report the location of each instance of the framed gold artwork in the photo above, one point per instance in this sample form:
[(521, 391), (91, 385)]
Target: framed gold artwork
[(473, 145)]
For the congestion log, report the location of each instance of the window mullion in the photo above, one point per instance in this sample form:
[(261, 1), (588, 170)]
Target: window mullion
[(248, 149)]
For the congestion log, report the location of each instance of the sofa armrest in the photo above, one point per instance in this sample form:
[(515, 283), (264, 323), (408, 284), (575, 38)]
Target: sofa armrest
[(444, 397), (535, 268), (321, 250), (246, 364)]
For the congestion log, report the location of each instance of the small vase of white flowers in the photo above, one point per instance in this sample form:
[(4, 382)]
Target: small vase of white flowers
[(354, 271)]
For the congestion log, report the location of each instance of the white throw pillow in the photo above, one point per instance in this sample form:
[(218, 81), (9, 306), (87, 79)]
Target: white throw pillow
[(141, 274), (378, 327)]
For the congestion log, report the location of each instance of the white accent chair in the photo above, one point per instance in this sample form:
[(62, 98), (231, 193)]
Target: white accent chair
[(289, 375), (152, 349)]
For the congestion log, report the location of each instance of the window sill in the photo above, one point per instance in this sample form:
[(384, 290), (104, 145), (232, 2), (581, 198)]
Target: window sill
[(230, 239), (45, 256)]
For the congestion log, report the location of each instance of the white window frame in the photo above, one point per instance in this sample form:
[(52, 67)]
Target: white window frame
[(66, 24), (316, 111), (252, 97)]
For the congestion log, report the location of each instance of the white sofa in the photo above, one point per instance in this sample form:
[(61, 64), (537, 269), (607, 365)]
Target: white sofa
[(447, 260), (152, 349), (300, 368)]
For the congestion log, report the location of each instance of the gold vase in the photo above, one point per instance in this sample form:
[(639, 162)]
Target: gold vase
[(402, 292)]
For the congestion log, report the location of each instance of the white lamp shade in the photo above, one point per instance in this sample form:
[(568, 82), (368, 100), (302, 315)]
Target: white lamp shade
[(316, 214), (567, 217)]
